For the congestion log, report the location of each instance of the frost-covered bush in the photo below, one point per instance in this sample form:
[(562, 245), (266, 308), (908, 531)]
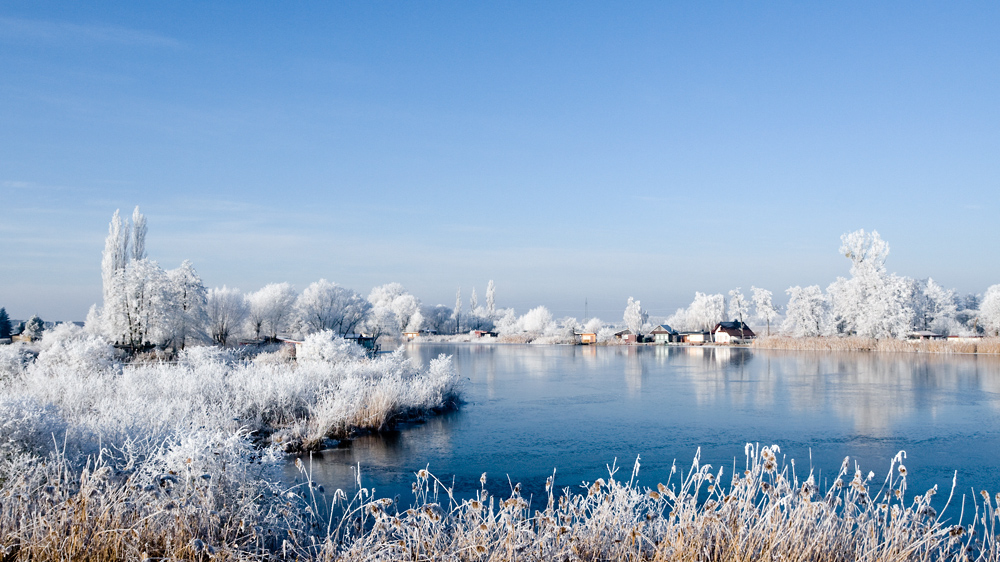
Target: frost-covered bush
[(70, 346), (205, 355), (14, 359), (327, 347), (537, 320), (606, 334), (28, 426)]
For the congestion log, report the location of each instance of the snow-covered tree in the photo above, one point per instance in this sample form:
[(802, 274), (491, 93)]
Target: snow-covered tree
[(507, 322), (592, 326), (328, 306), (967, 315), (137, 307), (438, 318), (138, 235), (188, 317), (458, 311), (491, 300), (702, 314), (473, 300), (935, 307), (33, 328), (806, 312), (146, 307), (113, 261), (381, 322), (536, 320), (270, 309), (227, 309), (989, 310), (764, 309), (634, 316), (5, 326), (405, 306), (739, 308), (872, 303)]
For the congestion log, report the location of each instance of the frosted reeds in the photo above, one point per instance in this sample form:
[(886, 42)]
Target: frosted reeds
[(854, 343)]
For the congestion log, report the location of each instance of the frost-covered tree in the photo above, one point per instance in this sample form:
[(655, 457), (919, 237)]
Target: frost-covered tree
[(967, 315), (764, 309), (702, 314), (491, 300), (271, 308), (5, 326), (146, 305), (113, 261), (739, 308), (473, 300), (381, 322), (872, 303), (507, 322), (405, 306), (227, 309), (989, 310), (188, 317), (33, 328), (537, 320), (137, 306), (458, 311), (138, 235), (938, 308), (593, 326), (328, 306), (634, 316), (806, 312), (438, 318)]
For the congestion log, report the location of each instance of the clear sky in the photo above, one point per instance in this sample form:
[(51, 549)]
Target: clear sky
[(569, 151)]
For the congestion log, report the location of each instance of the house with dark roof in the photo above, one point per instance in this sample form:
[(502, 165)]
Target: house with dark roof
[(664, 334), (626, 336), (732, 332)]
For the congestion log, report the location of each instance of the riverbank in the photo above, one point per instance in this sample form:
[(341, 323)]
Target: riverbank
[(852, 343), (764, 512)]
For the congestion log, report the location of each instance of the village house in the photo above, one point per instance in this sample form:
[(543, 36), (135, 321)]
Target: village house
[(664, 334), (694, 337), (732, 332), (924, 335), (586, 338), (626, 336)]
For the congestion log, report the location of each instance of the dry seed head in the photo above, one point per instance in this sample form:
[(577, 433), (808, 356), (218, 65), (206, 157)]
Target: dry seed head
[(482, 479), (902, 470), (661, 487), (654, 494)]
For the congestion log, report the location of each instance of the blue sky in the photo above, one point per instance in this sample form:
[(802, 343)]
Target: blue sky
[(568, 151)]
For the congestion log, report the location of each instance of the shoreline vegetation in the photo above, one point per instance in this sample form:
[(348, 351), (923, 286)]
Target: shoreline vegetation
[(988, 346), (984, 345), (761, 511)]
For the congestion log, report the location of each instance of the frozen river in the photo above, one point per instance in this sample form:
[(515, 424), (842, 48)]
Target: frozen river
[(532, 409)]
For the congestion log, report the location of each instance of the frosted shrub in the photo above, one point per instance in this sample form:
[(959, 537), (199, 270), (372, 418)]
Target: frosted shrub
[(205, 355), (70, 346), (28, 426), (605, 334), (14, 359), (327, 347)]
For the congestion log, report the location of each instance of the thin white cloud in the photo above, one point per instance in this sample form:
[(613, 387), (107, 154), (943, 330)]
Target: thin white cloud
[(16, 29)]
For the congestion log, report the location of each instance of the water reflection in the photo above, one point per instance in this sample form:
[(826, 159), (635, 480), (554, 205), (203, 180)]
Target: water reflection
[(534, 408)]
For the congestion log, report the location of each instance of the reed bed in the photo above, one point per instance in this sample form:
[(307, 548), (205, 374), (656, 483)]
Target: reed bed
[(853, 343), (762, 512)]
